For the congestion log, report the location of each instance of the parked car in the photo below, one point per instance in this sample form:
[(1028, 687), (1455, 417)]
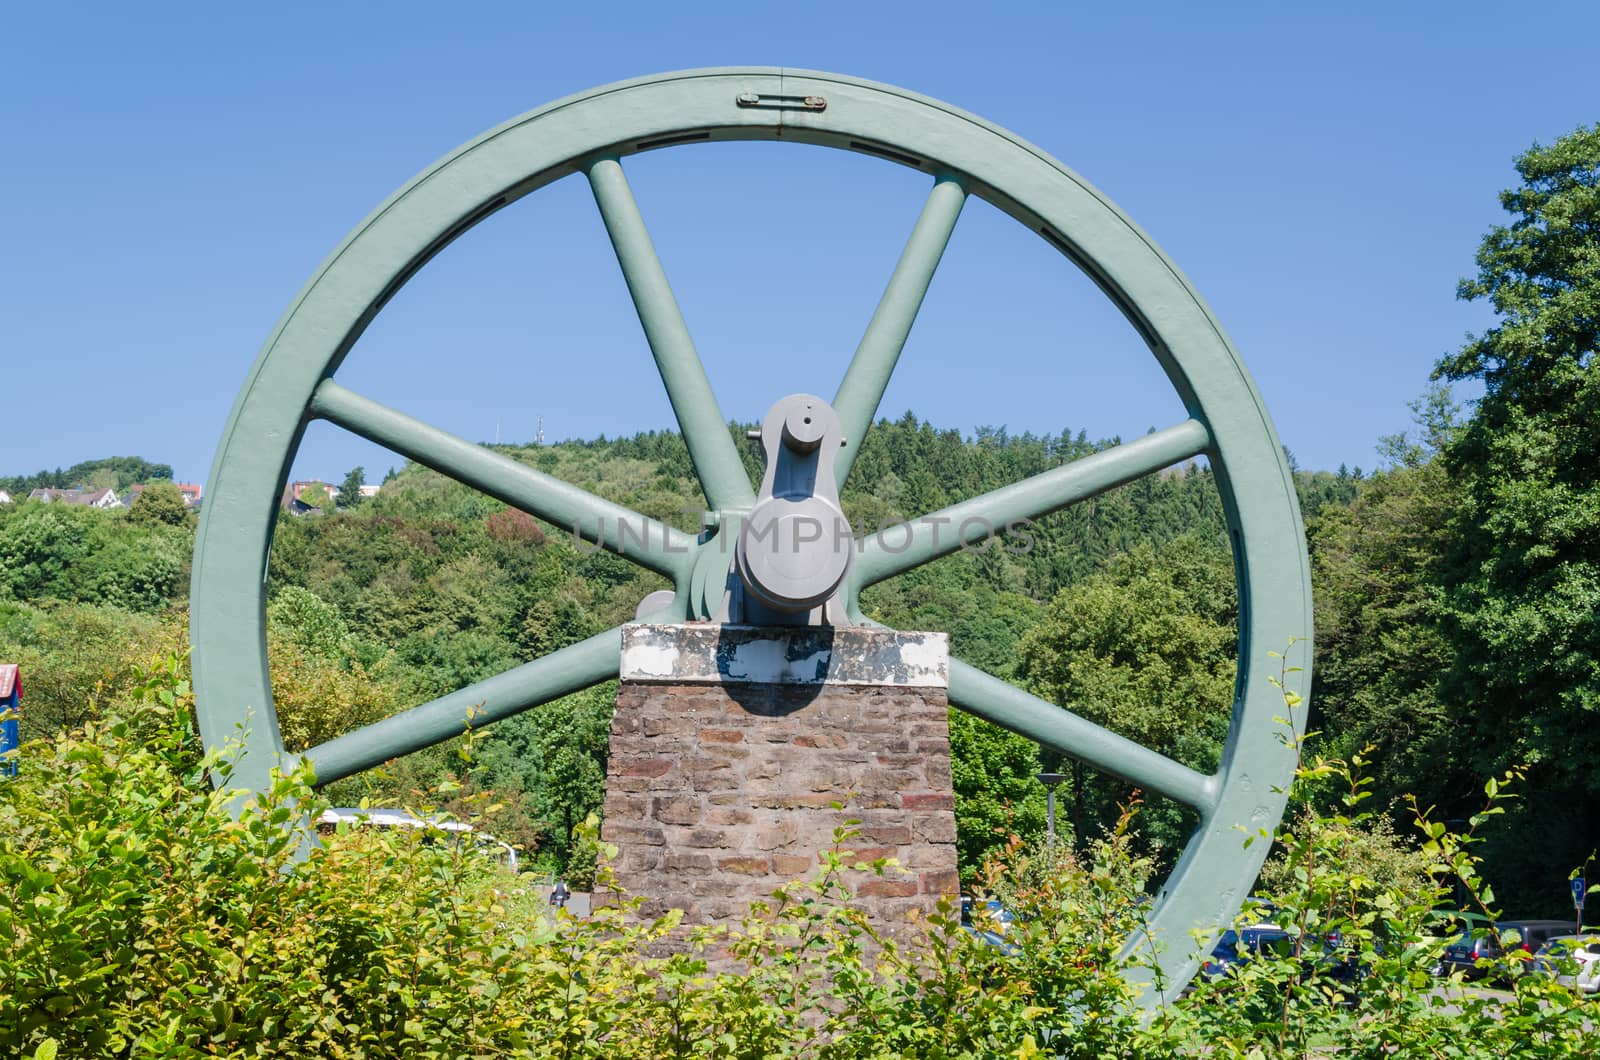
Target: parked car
[(1341, 963), (1237, 946), (988, 914), (993, 940), (1329, 962), (1493, 944), (1574, 960)]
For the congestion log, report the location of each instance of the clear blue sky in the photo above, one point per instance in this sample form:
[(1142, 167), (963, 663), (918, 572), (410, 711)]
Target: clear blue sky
[(173, 174)]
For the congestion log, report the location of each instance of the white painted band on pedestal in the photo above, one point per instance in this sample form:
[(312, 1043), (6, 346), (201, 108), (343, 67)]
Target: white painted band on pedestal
[(799, 655)]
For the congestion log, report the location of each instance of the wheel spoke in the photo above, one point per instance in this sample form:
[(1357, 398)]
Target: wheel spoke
[(571, 669), (645, 541), (1022, 712), (711, 446), (864, 381), (898, 549)]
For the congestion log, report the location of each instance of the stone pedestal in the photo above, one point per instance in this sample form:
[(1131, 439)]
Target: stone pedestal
[(730, 745)]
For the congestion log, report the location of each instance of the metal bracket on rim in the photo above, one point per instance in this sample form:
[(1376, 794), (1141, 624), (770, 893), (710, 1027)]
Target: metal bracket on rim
[(775, 102)]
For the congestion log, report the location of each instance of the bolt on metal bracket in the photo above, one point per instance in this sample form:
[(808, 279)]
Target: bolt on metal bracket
[(775, 102)]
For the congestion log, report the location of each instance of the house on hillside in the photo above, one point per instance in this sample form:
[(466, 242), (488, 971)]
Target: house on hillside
[(302, 498), (5, 498), (190, 491), (102, 499)]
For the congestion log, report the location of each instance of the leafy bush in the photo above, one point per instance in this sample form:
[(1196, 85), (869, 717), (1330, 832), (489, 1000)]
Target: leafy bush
[(147, 914), (318, 698), (67, 552), (76, 656), (160, 502), (1364, 932)]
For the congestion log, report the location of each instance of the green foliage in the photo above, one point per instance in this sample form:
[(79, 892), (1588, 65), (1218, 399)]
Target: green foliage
[(76, 656), (40, 549), (149, 914), (160, 502), (153, 918), (1370, 849), (429, 665), (67, 552), (146, 918), (1145, 649), (550, 625), (321, 685), (1364, 932), (349, 494), (1524, 594), (318, 495), (1521, 584), (304, 619), (318, 698), (583, 859), (907, 469), (995, 775), (1381, 649), (556, 755), (115, 472)]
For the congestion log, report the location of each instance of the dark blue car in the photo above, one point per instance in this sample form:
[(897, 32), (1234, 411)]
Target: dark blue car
[(1235, 947)]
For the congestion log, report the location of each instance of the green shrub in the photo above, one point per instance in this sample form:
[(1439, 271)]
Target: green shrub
[(1355, 978), (146, 914), (76, 656)]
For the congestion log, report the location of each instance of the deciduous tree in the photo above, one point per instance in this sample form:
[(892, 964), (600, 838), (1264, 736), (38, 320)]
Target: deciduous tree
[(1147, 650), (160, 502), (350, 489), (1381, 650)]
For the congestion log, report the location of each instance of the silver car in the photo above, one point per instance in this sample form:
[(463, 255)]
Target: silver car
[(1574, 960)]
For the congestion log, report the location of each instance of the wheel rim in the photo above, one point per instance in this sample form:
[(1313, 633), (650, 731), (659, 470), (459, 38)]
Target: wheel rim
[(291, 383)]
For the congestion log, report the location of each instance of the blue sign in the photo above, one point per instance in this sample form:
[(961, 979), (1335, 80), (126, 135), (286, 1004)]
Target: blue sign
[(1579, 889), (10, 703)]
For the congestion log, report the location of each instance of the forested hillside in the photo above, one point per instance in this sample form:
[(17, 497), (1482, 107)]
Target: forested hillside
[(1123, 608), (430, 586), (1457, 592), (115, 472)]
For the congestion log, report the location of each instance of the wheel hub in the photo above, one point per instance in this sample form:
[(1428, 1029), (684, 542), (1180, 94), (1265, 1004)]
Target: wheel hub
[(794, 548)]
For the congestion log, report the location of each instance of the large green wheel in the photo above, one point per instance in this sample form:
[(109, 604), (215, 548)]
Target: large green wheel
[(292, 383)]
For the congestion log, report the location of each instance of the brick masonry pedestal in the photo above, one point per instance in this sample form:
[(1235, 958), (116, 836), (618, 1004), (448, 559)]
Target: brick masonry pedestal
[(730, 744)]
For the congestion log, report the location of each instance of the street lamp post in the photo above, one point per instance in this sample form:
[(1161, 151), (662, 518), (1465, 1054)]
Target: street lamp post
[(1050, 780)]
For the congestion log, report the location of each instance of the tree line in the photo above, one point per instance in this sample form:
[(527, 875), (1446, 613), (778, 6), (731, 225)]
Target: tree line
[(114, 472)]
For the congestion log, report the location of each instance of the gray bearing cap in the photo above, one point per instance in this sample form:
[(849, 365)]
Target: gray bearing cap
[(794, 549)]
